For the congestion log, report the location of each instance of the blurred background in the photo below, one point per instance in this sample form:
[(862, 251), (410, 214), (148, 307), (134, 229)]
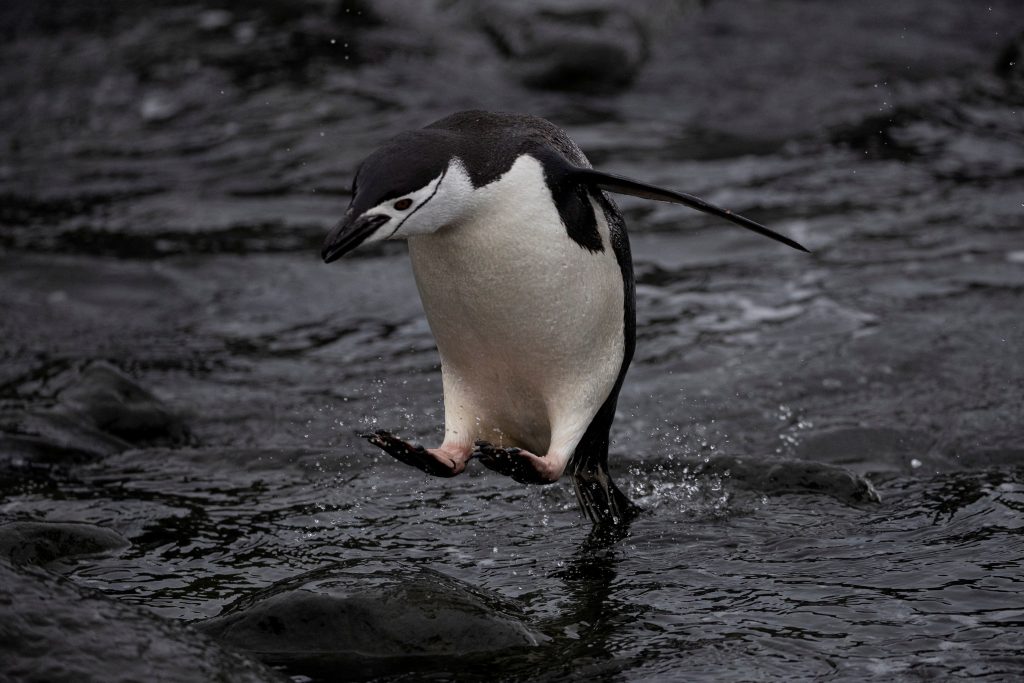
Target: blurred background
[(178, 367)]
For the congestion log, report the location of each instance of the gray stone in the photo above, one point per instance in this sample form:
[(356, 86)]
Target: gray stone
[(775, 476), (54, 631), (370, 617), (592, 47), (40, 543), (114, 403), (53, 437)]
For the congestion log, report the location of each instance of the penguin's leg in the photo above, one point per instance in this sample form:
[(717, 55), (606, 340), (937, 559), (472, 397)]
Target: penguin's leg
[(446, 461), (586, 459), (601, 501), (583, 454)]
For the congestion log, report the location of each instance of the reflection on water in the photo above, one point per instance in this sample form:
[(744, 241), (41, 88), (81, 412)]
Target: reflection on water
[(828, 446)]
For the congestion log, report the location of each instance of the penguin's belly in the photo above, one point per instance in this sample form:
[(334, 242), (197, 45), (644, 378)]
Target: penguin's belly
[(528, 323)]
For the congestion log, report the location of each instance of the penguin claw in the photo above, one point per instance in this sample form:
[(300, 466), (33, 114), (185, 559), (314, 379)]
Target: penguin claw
[(520, 465), (411, 454)]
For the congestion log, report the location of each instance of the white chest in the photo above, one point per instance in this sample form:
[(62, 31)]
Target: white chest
[(529, 324)]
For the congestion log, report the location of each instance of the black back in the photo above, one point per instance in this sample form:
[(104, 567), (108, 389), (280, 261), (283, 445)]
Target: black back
[(487, 144)]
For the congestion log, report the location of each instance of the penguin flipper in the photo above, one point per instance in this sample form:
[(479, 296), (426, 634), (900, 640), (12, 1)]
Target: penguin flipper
[(621, 185)]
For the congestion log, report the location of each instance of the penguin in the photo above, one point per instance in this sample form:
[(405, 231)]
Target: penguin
[(523, 266)]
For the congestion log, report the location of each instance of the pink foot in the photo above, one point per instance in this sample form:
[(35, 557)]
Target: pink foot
[(436, 461), (523, 466)]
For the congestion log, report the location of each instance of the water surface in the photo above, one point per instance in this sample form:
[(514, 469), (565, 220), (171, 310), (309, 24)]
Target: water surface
[(167, 178)]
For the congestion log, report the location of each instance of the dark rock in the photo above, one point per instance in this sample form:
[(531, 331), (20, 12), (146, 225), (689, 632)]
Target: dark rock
[(372, 617), (40, 543), (114, 403), (54, 631), (99, 411), (255, 44), (873, 450), (590, 48), (793, 476), (21, 450), (50, 437)]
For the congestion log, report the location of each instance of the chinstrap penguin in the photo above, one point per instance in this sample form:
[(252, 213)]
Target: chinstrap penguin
[(523, 266)]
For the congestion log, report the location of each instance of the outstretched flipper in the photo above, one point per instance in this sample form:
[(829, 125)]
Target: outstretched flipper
[(620, 185), (435, 461)]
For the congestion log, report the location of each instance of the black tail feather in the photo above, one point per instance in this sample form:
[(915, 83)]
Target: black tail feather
[(615, 183)]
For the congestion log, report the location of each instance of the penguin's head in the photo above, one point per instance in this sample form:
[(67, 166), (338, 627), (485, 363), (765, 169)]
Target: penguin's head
[(413, 185)]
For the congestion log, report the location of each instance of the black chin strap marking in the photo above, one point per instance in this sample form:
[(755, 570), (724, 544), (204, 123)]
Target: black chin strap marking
[(436, 188)]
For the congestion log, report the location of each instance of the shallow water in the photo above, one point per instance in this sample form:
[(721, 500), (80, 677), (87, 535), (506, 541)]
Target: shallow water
[(165, 186)]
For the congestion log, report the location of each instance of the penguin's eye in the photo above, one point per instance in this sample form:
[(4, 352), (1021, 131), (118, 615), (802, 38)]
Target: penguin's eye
[(403, 204)]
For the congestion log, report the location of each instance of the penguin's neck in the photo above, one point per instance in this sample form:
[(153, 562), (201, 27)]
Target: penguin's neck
[(510, 265), (509, 220)]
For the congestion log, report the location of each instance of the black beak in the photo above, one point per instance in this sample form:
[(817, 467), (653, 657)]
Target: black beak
[(349, 234)]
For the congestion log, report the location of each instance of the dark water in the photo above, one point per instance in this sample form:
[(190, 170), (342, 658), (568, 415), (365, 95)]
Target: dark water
[(166, 177)]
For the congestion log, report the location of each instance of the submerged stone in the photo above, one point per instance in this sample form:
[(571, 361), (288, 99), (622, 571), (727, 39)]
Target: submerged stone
[(116, 404), (40, 543), (590, 48), (54, 631), (99, 411), (878, 450), (794, 476), (52, 437), (372, 616)]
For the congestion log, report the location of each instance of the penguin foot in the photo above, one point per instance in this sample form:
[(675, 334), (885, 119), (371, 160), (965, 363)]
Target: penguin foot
[(435, 461), (523, 466)]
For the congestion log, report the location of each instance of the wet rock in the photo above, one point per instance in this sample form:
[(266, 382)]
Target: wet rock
[(794, 476), (31, 450), (107, 399), (873, 449), (255, 44), (99, 411), (589, 47), (40, 543), (54, 631), (371, 617), (49, 437)]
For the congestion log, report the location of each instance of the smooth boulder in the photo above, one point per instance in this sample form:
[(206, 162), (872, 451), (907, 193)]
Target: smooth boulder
[(53, 631), (371, 617), (114, 403), (40, 543), (779, 476), (593, 47)]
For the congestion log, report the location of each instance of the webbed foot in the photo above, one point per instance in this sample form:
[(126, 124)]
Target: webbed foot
[(440, 462), (523, 466)]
